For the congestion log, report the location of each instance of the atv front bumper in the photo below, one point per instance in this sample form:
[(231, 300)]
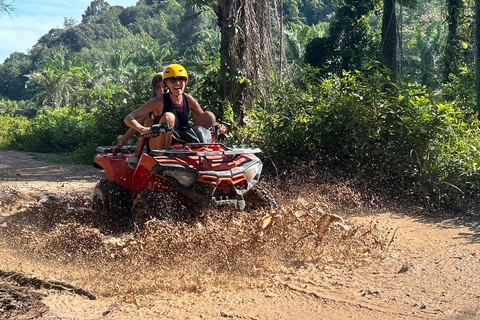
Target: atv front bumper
[(217, 188)]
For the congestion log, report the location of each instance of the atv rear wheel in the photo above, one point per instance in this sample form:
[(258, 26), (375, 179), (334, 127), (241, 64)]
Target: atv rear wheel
[(259, 197), (150, 205)]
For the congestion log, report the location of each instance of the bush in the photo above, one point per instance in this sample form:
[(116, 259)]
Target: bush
[(396, 136), (11, 127), (60, 130)]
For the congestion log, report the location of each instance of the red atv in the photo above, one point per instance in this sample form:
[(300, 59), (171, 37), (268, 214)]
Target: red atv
[(183, 176)]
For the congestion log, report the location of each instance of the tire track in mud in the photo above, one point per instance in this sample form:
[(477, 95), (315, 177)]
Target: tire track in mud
[(326, 295), (37, 283)]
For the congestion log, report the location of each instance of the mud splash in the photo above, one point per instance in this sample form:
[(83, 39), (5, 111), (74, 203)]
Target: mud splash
[(221, 249)]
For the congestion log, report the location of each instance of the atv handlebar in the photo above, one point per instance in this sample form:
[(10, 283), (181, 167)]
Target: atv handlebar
[(217, 129), (157, 129)]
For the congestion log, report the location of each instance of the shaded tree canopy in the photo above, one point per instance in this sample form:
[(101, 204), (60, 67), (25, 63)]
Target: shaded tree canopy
[(350, 42)]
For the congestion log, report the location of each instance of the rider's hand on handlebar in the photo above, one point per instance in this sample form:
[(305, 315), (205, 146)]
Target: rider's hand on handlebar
[(143, 129), (221, 129), (218, 129), (146, 132)]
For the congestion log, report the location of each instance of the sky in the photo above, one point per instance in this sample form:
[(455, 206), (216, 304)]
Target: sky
[(34, 18)]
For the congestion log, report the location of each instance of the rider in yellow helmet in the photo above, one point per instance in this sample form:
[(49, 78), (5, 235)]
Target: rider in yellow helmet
[(172, 107)]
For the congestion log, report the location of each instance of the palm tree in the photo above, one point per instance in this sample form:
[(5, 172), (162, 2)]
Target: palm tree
[(8, 9), (246, 48), (52, 84)]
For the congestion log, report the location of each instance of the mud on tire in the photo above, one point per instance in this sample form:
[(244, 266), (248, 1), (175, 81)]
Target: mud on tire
[(151, 205), (111, 203), (100, 200), (259, 197)]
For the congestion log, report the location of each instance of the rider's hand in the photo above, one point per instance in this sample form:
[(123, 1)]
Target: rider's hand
[(222, 129), (143, 129)]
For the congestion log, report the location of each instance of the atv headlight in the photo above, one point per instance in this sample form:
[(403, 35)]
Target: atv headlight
[(253, 171), (185, 178)]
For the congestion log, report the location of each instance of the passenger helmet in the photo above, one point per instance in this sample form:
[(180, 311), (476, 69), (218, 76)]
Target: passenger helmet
[(174, 70)]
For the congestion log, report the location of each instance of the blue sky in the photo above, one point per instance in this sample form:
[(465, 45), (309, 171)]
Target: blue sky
[(36, 18)]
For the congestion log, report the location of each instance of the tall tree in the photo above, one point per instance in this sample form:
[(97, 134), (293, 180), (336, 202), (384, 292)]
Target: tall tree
[(95, 8), (245, 48), (389, 36), (389, 32), (477, 55), (454, 9)]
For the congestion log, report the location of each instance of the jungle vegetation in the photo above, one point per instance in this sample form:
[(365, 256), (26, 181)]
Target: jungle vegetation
[(383, 91)]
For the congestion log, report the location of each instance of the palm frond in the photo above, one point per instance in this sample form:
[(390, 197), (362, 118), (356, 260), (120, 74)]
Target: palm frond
[(8, 9)]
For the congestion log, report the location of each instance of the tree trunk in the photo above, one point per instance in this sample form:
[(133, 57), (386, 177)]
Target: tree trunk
[(452, 46), (245, 49), (477, 55), (389, 36)]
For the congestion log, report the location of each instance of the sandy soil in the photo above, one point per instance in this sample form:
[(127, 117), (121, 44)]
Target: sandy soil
[(57, 261)]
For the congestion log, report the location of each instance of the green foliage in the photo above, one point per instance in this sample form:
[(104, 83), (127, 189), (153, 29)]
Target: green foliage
[(12, 76), (461, 89), (52, 84), (350, 44), (10, 128), (60, 130), (95, 9), (397, 137), (428, 45), (297, 38), (15, 108), (308, 12)]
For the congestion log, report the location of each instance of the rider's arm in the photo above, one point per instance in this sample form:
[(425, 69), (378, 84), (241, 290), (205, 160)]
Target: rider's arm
[(135, 119), (194, 106)]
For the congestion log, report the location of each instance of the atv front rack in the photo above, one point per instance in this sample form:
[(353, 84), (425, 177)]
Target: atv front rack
[(219, 149), (124, 149), (216, 149)]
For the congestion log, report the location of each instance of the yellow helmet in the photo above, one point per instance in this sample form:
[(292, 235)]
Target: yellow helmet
[(174, 70)]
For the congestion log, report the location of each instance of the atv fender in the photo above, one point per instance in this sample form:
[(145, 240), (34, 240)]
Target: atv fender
[(116, 169)]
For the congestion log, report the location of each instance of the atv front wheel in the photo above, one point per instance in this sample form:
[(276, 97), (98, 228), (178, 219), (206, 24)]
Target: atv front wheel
[(150, 205), (111, 203), (100, 201), (259, 197)]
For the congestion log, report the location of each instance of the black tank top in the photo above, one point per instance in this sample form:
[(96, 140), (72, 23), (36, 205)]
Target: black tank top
[(181, 119)]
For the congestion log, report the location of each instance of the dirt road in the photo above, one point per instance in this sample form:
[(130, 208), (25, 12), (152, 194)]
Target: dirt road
[(59, 262)]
